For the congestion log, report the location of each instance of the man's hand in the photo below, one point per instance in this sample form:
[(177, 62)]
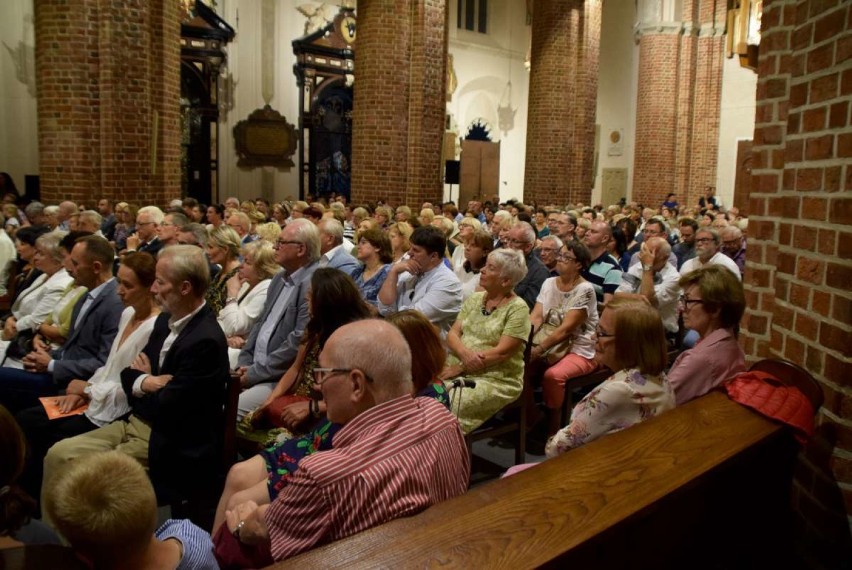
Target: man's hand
[(153, 384), (10, 330), (247, 522), (77, 387), (141, 363), (69, 402), (133, 242), (241, 373), (646, 254), (39, 344), (37, 361), (236, 341)]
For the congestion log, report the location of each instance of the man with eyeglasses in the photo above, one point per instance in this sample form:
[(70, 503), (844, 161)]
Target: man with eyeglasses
[(148, 219), (564, 227), (655, 279), (734, 246), (707, 253), (521, 237), (655, 227), (420, 459), (274, 339), (168, 230), (423, 282), (548, 252)]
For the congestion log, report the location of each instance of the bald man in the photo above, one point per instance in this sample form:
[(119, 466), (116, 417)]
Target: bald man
[(420, 459), (655, 279)]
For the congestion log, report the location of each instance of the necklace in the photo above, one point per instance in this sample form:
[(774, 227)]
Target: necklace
[(486, 312)]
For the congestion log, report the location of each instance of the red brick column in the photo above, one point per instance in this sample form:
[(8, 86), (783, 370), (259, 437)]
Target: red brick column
[(562, 101), (678, 104), (398, 115), (800, 244), (108, 79)]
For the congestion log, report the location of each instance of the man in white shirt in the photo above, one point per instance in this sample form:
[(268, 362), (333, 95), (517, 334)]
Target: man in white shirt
[(656, 279), (707, 253)]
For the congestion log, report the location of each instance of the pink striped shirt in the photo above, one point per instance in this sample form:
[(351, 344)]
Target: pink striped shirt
[(394, 460)]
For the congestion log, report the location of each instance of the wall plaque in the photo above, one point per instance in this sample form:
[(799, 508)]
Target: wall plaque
[(265, 139)]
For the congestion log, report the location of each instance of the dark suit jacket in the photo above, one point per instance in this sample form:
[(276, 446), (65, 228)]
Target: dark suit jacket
[(153, 247), (186, 416), (88, 345)]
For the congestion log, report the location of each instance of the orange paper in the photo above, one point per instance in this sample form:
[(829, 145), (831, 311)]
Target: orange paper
[(53, 412)]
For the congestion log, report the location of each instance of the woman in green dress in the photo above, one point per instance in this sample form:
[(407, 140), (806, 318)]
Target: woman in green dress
[(487, 341)]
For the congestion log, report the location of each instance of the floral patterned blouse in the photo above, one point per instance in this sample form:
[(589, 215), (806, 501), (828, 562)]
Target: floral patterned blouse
[(625, 398), (217, 292)]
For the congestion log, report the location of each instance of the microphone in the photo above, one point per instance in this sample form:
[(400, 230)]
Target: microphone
[(461, 383)]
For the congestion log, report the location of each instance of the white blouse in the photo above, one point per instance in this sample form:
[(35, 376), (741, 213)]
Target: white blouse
[(39, 301), (238, 318), (108, 400)]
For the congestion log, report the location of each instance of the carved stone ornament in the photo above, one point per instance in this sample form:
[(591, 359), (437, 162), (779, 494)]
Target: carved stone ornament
[(265, 139)]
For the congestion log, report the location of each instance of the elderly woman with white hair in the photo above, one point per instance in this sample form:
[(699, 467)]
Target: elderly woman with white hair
[(487, 340)]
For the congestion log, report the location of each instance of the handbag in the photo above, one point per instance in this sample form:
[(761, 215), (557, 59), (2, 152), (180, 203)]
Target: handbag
[(271, 416), (21, 345), (552, 321)]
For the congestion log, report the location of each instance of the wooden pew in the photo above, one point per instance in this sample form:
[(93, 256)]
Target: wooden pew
[(704, 485)]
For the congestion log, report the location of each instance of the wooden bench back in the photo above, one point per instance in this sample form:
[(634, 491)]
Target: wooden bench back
[(609, 503)]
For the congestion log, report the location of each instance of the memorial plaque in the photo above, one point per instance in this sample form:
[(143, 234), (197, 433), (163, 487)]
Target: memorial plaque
[(265, 139)]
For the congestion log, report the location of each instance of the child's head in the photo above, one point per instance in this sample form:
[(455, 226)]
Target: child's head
[(105, 507)]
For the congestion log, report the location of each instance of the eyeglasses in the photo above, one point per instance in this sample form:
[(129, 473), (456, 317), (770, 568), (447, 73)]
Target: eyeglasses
[(280, 242), (565, 257), (511, 241), (601, 334), (323, 374), (145, 223), (704, 240), (686, 302)]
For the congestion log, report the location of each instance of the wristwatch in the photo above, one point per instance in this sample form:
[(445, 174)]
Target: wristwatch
[(647, 267)]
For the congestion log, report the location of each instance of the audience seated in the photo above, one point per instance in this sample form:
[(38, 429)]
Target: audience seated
[(604, 272), (419, 460), (175, 388), (707, 253), (247, 295), (25, 240), (487, 340), (655, 278), (423, 282), (274, 339), (375, 257), (148, 220), (467, 228), (94, 324), (712, 304), (333, 301), (101, 394), (124, 532), (223, 249), (7, 256), (334, 254), (17, 509), (400, 236), (565, 316)]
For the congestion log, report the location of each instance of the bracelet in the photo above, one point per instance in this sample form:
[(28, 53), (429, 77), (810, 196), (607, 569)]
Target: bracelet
[(237, 529), (230, 300)]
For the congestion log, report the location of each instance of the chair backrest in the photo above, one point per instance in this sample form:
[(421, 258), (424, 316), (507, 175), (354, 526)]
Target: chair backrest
[(792, 375), (229, 441)]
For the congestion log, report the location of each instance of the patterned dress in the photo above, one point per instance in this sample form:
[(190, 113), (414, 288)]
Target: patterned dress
[(370, 288), (622, 400), (217, 292), (283, 459), (498, 385)]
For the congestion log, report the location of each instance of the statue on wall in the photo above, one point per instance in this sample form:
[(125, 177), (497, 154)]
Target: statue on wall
[(319, 16)]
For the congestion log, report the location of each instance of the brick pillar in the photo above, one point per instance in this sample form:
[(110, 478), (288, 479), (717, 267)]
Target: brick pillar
[(800, 244), (562, 101), (678, 102), (398, 115), (108, 75)]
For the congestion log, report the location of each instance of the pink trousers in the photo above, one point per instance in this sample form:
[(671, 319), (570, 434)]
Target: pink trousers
[(553, 383)]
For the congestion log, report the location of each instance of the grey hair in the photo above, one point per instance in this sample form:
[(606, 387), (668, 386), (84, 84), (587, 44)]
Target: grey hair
[(198, 231), (379, 350), (188, 263), (710, 231), (332, 227), (511, 263), (153, 211), (733, 231), (92, 216), (34, 209), (49, 210), (554, 239), (528, 231), (501, 216), (308, 234), (50, 243)]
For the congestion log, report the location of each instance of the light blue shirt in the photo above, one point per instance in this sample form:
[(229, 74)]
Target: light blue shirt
[(437, 294)]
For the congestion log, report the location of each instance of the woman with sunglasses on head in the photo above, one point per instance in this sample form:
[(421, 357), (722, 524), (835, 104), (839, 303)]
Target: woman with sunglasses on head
[(565, 316), (712, 305)]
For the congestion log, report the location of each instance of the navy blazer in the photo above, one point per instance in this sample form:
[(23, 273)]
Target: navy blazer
[(186, 416), (88, 345)]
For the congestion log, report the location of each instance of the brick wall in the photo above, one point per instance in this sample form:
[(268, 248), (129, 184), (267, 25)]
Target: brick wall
[(562, 101), (678, 104), (799, 270), (107, 72), (398, 115)]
